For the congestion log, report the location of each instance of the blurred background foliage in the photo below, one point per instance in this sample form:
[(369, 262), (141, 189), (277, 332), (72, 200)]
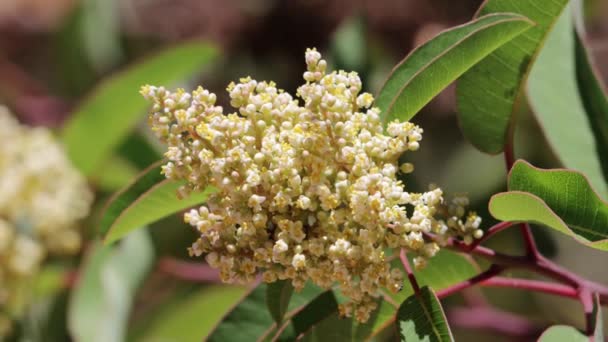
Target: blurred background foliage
[(55, 55)]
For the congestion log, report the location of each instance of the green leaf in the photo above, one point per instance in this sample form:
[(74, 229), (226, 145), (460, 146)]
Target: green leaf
[(106, 117), (443, 270), (559, 199), (331, 329), (278, 295), (595, 101), (140, 151), (305, 320), (560, 110), (250, 320), (101, 302), (192, 317), (489, 93), (562, 333), (427, 70), (421, 318), (115, 174), (349, 44), (149, 198)]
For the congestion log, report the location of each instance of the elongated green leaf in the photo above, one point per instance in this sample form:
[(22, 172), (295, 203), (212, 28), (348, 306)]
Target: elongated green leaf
[(115, 174), (103, 120), (560, 199), (101, 302), (430, 68), (306, 320), (250, 319), (137, 149), (278, 295), (562, 333), (331, 329), (560, 110), (191, 318), (444, 269), (150, 198), (489, 93), (595, 100), (421, 318)]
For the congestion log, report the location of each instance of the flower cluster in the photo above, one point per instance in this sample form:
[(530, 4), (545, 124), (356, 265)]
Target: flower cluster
[(42, 197), (304, 191)]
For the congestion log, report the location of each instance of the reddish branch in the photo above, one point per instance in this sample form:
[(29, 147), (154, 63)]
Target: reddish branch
[(483, 276), (192, 271), (570, 284), (495, 229), (532, 285), (484, 318), (410, 273)]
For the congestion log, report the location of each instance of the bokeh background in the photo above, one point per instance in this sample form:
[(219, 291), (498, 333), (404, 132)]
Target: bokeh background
[(53, 53)]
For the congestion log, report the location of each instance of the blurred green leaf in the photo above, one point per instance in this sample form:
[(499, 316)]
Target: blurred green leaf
[(50, 280), (139, 151), (193, 317), (595, 100), (106, 117), (101, 302), (115, 174), (421, 318), (562, 333), (148, 199), (560, 199), (431, 67), (250, 320), (278, 295), (74, 71), (489, 93), (560, 110), (444, 269), (349, 44), (100, 33)]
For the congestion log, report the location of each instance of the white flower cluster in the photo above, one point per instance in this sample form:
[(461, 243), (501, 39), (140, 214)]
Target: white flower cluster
[(303, 192), (42, 197)]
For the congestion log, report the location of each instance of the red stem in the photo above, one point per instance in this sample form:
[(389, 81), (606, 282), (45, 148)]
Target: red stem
[(531, 249), (410, 273), (493, 320), (532, 285), (191, 271), (495, 229), (487, 274), (541, 265), (586, 298)]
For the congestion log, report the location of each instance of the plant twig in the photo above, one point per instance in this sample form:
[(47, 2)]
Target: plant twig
[(532, 285), (494, 320), (586, 298), (191, 271), (495, 229), (541, 265), (410, 273), (487, 274)]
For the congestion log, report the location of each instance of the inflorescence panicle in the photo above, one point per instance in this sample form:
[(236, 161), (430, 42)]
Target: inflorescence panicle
[(305, 191), (42, 199)]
